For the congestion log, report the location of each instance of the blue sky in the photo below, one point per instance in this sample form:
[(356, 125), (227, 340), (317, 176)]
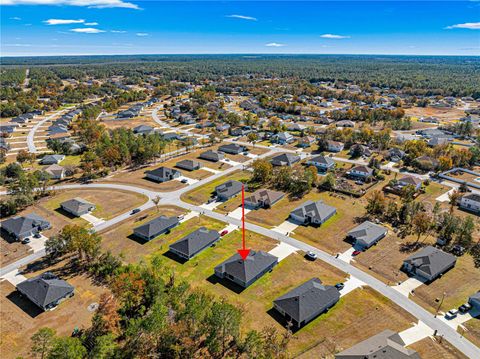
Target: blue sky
[(83, 27)]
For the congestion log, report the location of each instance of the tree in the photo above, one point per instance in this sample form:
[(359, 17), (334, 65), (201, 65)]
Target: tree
[(42, 342), (129, 288), (421, 224), (67, 348), (329, 182), (25, 156), (454, 197), (376, 203), (80, 240), (262, 170), (223, 327), (156, 201), (252, 137), (104, 347), (464, 234)]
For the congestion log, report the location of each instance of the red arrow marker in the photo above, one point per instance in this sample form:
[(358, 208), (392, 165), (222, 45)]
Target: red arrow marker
[(244, 252)]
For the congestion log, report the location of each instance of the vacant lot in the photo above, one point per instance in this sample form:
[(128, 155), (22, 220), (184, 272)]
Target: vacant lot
[(202, 194), (458, 284), (435, 349), (12, 250), (108, 205), (21, 318)]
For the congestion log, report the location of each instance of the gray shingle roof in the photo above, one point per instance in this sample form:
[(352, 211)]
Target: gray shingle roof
[(195, 241), (264, 197), (156, 226), (44, 289), (76, 205), (316, 210), (385, 345), (22, 224), (367, 232), (285, 159), (163, 172), (248, 269), (212, 155), (327, 161), (232, 148), (307, 299), (229, 188), (431, 260), (188, 164)]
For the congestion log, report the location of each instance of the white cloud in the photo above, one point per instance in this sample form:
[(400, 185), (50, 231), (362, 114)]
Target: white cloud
[(100, 4), (333, 36), (275, 44), (243, 17), (87, 30), (63, 21), (90, 23), (15, 18), (141, 34), (118, 31), (17, 45), (467, 25)]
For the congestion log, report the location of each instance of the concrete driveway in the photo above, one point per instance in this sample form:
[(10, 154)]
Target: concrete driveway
[(351, 284), (282, 251), (14, 277), (286, 227), (92, 219), (416, 333), (410, 284), (188, 179)]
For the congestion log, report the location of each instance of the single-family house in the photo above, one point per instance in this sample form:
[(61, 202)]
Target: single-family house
[(361, 172), (245, 272), (285, 159), (334, 146), (46, 290), (385, 345), (55, 171), (323, 163), (143, 130), (307, 301), (263, 198), (77, 206), (21, 227), (212, 156), (155, 227), (429, 263), (345, 123), (194, 243), (367, 234), (474, 300), (306, 141), (311, 212), (52, 159), (470, 202), (360, 150), (232, 148), (189, 165), (282, 138), (395, 154), (409, 181), (163, 174), (228, 190)]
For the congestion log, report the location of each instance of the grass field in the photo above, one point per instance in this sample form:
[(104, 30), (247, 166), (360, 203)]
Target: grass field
[(440, 348), (472, 331), (107, 205)]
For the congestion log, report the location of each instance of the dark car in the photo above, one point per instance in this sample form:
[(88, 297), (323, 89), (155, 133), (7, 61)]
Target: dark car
[(311, 255), (339, 286), (26, 241), (184, 180), (464, 308), (37, 235), (136, 210)]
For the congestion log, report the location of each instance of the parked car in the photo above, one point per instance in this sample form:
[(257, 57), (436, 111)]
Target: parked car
[(339, 286), (37, 235), (224, 232), (136, 210), (180, 217), (210, 200), (245, 153), (26, 241), (184, 180), (464, 308), (356, 253), (311, 256), (451, 314)]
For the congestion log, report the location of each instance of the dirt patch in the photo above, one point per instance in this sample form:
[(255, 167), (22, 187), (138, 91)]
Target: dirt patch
[(434, 349)]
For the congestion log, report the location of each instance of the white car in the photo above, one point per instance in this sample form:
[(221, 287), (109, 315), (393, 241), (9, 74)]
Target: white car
[(451, 314)]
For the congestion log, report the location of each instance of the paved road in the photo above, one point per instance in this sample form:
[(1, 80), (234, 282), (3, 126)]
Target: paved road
[(31, 134), (157, 119)]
